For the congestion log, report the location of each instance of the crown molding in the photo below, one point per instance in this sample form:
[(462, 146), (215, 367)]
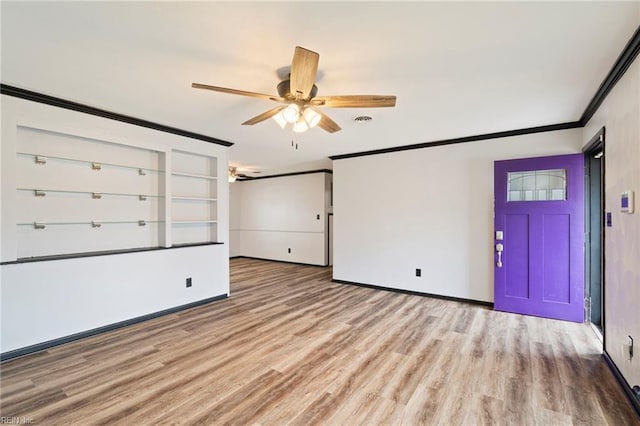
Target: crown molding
[(29, 95), (496, 135), (250, 178), (620, 67)]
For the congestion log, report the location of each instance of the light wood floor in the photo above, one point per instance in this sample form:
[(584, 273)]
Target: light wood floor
[(290, 346)]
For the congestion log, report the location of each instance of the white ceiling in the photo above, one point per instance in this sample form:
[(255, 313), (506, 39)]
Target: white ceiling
[(457, 69)]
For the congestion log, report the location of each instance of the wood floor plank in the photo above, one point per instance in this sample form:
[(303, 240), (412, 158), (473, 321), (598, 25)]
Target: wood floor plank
[(547, 393), (401, 386), (289, 346), (580, 405), (485, 410), (518, 405), (384, 412)]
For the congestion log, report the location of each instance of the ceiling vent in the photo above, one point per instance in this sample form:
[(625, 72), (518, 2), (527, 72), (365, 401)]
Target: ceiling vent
[(362, 119)]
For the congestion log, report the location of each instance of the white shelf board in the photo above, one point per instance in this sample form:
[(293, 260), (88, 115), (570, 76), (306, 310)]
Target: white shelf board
[(178, 222), (75, 160), (192, 175), (194, 198)]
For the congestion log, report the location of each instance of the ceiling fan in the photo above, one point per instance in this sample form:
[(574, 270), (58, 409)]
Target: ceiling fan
[(298, 94), (238, 172)]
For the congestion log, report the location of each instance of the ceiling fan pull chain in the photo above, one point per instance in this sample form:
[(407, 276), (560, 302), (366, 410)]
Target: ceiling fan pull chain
[(294, 144)]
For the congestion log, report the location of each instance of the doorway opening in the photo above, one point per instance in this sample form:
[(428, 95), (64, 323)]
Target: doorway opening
[(594, 233)]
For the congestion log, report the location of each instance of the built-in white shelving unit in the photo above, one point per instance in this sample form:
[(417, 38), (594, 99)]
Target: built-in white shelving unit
[(77, 194), (194, 206), (80, 195)]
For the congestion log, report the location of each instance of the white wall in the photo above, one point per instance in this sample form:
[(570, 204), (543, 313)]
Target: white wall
[(620, 115), (273, 215), (235, 207), (430, 208), (46, 300)]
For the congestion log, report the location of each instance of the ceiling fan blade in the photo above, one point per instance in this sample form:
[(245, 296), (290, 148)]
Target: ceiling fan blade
[(327, 123), (264, 116), (354, 101), (237, 92), (304, 67)]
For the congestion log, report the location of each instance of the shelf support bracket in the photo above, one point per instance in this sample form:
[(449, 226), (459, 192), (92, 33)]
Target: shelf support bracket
[(95, 224), (41, 160), (96, 166), (96, 195), (37, 225), (142, 223), (39, 193)]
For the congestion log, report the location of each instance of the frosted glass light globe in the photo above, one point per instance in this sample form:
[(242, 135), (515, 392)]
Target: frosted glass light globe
[(300, 126), (291, 113), (311, 117)]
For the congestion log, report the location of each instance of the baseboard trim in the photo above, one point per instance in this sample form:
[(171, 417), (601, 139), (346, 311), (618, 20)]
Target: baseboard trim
[(635, 403), (279, 261), (104, 329), (417, 293)]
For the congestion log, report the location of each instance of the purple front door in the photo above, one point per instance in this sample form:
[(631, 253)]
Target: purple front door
[(539, 235)]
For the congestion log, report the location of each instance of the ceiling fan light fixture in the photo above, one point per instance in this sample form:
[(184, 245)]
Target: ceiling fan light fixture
[(279, 118), (300, 125), (291, 113), (232, 174), (311, 117)]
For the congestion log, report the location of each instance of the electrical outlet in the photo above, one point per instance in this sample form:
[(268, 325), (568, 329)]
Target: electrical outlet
[(418, 272), (189, 282)]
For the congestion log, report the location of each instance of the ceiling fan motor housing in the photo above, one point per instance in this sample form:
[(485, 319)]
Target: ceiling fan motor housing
[(284, 90)]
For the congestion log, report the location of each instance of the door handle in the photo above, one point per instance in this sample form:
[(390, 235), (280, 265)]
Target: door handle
[(499, 250)]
